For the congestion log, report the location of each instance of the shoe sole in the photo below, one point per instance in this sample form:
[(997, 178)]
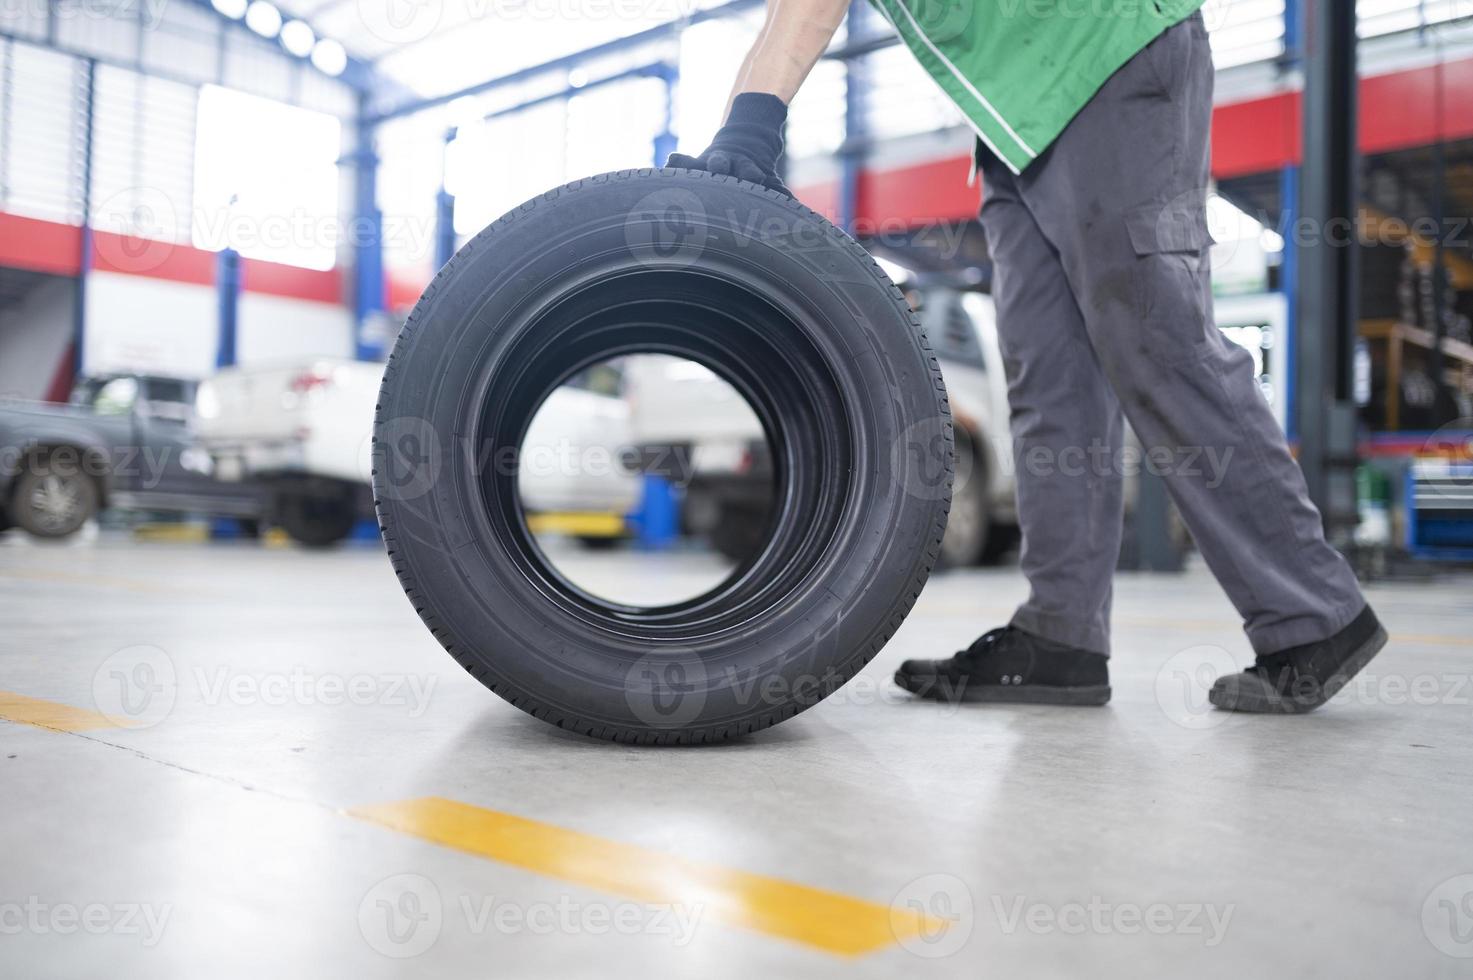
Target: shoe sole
[(1091, 695), (1254, 702)]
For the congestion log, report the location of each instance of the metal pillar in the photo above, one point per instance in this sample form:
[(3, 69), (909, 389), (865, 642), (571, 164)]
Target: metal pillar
[(1289, 286), (665, 138), (856, 129), (445, 209), (227, 289), (84, 257), (1328, 311), (371, 331), (1288, 221)]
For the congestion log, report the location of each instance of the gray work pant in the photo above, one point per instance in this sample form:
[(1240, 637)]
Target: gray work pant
[(1104, 301)]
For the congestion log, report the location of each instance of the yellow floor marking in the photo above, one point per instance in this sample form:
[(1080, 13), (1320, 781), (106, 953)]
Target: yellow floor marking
[(50, 714), (191, 532), (825, 920), (588, 524)]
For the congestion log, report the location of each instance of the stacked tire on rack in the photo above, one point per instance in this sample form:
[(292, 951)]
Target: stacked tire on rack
[(787, 309)]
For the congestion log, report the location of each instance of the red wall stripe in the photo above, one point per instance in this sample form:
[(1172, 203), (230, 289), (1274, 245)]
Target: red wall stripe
[(402, 287), (40, 246), (1256, 136), (275, 279), (154, 259), (926, 193)]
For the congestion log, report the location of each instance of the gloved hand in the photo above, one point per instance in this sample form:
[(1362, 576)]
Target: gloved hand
[(748, 146)]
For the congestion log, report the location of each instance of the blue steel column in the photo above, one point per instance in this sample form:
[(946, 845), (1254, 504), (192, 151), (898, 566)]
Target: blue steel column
[(367, 243), (227, 289), (1288, 219), (856, 127), (1289, 286), (445, 209), (665, 138), (84, 257)]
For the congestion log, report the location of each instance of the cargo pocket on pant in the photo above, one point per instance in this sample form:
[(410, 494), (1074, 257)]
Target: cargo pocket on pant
[(1172, 279)]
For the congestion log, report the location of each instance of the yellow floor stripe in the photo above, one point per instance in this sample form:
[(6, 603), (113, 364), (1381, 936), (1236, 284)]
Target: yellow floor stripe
[(586, 524), (822, 919), (50, 714), (192, 532)]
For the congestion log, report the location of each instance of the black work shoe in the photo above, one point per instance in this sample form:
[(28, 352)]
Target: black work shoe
[(1008, 665), (1302, 678)]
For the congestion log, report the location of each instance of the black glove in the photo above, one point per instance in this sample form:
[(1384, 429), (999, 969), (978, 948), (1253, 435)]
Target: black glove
[(748, 146)]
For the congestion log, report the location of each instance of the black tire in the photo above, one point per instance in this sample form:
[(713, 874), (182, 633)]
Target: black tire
[(969, 529), (593, 543), (316, 520), (788, 310), (53, 501), (740, 532), (1002, 539)]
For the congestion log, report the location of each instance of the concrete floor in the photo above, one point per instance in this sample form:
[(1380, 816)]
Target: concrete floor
[(1152, 837)]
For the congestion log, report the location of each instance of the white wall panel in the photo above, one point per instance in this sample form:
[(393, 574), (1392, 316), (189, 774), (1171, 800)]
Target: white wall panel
[(143, 169), (43, 135), (137, 323), (260, 67), (272, 329), (185, 42), (23, 19)]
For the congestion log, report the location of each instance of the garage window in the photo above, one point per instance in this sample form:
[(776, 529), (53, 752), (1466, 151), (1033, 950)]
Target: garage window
[(266, 179)]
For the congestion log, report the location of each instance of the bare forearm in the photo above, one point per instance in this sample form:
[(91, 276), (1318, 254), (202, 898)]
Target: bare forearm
[(793, 38)]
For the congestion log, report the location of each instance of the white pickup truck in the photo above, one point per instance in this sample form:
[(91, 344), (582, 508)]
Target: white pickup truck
[(305, 430)]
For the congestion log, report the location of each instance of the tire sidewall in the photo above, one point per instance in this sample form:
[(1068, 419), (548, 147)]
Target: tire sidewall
[(504, 631)]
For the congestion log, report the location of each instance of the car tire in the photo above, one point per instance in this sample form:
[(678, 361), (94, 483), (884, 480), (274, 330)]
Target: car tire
[(740, 532), (51, 501), (316, 520), (787, 309), (969, 529)]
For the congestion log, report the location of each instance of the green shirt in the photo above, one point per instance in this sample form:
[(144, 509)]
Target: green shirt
[(1019, 70)]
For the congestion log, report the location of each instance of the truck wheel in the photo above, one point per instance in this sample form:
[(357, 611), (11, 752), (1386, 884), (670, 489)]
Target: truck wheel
[(970, 527), (53, 502), (784, 307), (740, 533), (316, 520)]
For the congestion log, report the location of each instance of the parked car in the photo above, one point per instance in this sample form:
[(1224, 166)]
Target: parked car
[(301, 430), (983, 525), (124, 441), (576, 470), (304, 431)]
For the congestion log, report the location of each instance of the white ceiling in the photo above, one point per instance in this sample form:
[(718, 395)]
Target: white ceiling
[(433, 47)]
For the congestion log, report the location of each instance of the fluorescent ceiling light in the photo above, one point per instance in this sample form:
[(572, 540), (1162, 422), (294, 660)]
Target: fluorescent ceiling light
[(263, 18), (329, 57), (297, 38)]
